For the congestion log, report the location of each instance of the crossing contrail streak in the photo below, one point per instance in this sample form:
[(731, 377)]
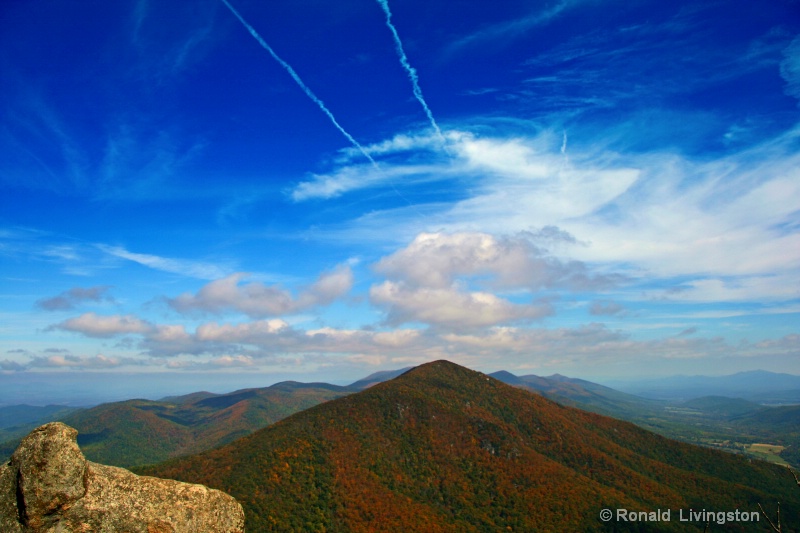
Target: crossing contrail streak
[(412, 72), (299, 82)]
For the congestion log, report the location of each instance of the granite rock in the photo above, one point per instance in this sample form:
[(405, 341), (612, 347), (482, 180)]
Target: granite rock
[(49, 486)]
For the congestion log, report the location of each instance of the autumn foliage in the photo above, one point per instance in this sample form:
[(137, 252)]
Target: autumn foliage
[(446, 449)]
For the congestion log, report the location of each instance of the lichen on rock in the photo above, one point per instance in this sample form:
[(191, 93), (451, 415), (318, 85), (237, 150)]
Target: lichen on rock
[(48, 486)]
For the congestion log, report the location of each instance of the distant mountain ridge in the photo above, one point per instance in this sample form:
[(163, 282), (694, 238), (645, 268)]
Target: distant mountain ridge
[(17, 420), (444, 448), (581, 393), (136, 432), (756, 385), (378, 377)]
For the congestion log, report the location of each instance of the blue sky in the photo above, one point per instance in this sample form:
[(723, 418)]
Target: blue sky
[(305, 188)]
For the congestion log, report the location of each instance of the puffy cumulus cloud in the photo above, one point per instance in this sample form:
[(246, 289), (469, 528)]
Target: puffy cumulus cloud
[(94, 325), (449, 307), (259, 332), (431, 279), (68, 300), (258, 300), (169, 333), (398, 338), (363, 342), (437, 259), (329, 287), (254, 299)]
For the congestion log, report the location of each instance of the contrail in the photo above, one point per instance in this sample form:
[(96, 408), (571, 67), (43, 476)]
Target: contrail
[(412, 73), (299, 82)]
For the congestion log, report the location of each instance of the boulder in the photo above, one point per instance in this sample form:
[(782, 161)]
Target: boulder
[(49, 486)]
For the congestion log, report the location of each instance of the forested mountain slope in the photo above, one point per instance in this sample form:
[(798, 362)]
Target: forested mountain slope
[(444, 448)]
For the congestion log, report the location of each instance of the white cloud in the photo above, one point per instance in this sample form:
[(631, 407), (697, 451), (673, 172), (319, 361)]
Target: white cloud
[(258, 332), (739, 289), (169, 333), (258, 300), (69, 299), (430, 279), (93, 325), (328, 287), (467, 335), (96, 362), (397, 338), (655, 216), (194, 269), (353, 178), (436, 260), (450, 307)]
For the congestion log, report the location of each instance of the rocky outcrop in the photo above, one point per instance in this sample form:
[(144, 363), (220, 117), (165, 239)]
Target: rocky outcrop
[(49, 486)]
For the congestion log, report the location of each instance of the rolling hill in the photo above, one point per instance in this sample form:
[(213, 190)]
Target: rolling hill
[(137, 432), (584, 395), (444, 448), (16, 421)]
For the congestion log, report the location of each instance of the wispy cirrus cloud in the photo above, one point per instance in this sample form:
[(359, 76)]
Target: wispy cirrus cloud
[(628, 211), (506, 31), (194, 269), (45, 150), (790, 68), (163, 56)]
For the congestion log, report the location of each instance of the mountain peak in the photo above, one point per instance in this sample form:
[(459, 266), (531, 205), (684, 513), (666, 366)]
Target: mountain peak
[(442, 369), (444, 448)]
